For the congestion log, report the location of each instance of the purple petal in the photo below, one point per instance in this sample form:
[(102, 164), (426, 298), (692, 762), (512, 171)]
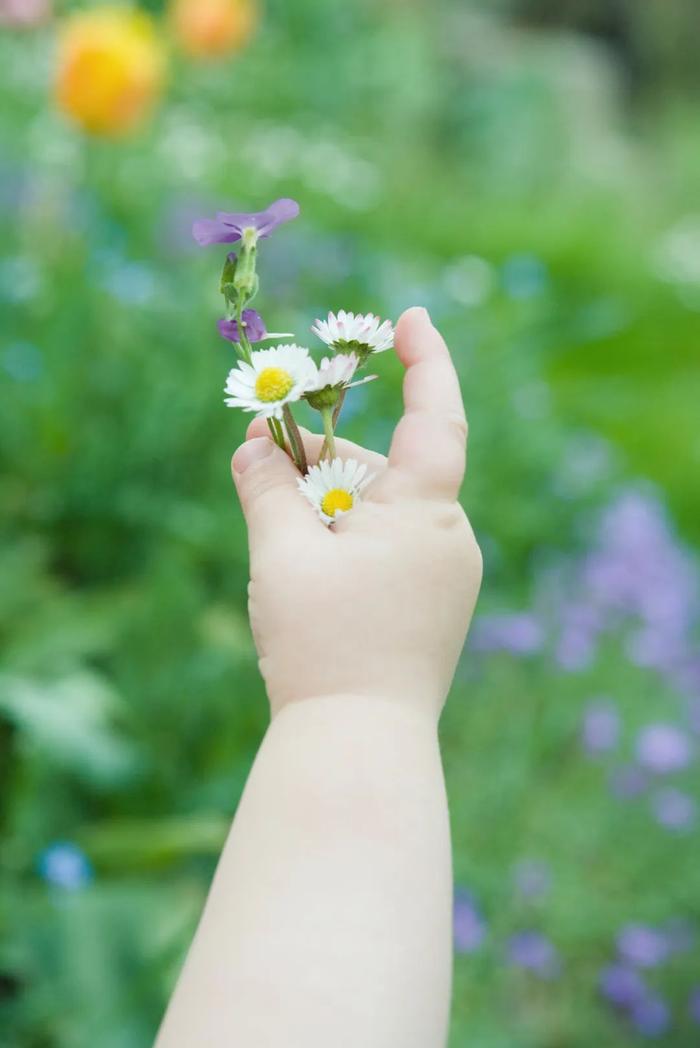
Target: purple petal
[(212, 231), (283, 210), (253, 323), (263, 221)]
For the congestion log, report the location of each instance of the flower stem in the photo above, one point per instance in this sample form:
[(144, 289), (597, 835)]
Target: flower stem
[(295, 441), (243, 338), (329, 442), (336, 413), (277, 433)]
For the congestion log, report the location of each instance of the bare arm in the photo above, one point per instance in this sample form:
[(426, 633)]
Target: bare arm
[(329, 920)]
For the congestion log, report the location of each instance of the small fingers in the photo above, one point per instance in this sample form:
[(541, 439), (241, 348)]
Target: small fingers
[(428, 450), (266, 481)]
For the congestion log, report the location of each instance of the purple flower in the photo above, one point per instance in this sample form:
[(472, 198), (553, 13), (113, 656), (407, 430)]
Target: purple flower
[(651, 1016), (622, 985), (628, 781), (533, 951), (252, 322), (673, 809), (642, 945), (517, 633), (64, 865), (663, 748), (601, 727), (228, 227), (469, 926), (532, 879), (694, 1005)]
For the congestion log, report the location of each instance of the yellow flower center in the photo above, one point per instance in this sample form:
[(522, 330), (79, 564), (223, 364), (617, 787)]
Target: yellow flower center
[(336, 499), (273, 384)]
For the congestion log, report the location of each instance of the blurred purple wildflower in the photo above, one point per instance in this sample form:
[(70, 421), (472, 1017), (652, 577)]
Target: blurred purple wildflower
[(622, 985), (532, 879), (663, 748), (694, 1005), (629, 780), (534, 952), (651, 1016), (469, 926), (600, 730), (637, 575), (519, 633), (64, 865), (252, 322), (642, 945), (674, 809), (228, 227)]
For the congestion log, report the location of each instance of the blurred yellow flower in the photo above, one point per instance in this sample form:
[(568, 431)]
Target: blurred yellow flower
[(211, 28), (110, 68)]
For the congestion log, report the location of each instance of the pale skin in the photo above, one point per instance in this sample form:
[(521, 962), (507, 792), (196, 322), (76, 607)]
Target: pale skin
[(328, 922)]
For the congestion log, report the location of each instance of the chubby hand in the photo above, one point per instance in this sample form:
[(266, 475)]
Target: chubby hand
[(379, 604)]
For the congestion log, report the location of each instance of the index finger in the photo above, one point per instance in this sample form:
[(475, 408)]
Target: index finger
[(428, 449)]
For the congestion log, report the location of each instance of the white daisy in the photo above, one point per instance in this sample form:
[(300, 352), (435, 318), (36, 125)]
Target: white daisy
[(333, 488), (366, 333), (274, 377), (336, 371)]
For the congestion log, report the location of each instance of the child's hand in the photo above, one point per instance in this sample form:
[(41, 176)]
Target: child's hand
[(378, 605)]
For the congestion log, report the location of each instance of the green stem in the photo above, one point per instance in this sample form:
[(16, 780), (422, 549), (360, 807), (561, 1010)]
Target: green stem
[(336, 413), (329, 443), (277, 432), (295, 441), (243, 338)]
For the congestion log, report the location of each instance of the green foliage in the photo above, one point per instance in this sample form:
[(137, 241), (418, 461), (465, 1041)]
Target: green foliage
[(439, 157)]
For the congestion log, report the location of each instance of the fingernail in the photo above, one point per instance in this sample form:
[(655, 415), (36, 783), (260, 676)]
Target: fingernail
[(250, 452)]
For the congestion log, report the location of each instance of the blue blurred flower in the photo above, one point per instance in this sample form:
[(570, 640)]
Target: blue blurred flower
[(600, 730), (622, 985), (469, 926), (642, 945), (534, 952), (532, 879), (629, 780), (663, 748), (65, 865), (694, 1005), (651, 1016), (674, 809), (519, 633)]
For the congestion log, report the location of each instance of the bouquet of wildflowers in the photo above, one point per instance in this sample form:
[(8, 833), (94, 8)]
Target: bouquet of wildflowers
[(269, 381)]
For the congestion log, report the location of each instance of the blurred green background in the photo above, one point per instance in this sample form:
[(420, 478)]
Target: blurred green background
[(529, 171)]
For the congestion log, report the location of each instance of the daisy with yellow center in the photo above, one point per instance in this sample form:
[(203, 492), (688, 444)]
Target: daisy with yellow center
[(274, 377), (334, 488)]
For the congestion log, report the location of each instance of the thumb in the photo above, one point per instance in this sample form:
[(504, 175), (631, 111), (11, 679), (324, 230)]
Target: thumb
[(266, 481)]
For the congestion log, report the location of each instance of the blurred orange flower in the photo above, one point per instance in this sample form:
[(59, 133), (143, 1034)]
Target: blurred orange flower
[(212, 28), (110, 68)]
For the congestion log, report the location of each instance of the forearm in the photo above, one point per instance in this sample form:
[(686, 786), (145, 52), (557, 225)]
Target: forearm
[(329, 919)]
